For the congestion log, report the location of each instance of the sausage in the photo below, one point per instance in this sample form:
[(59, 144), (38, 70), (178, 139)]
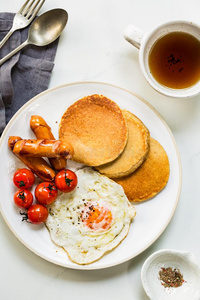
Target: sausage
[(42, 131), (36, 164), (43, 148), (40, 128)]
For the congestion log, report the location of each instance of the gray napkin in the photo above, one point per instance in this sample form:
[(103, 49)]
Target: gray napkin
[(26, 74)]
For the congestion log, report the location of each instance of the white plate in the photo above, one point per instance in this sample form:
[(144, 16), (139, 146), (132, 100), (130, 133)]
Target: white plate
[(152, 216)]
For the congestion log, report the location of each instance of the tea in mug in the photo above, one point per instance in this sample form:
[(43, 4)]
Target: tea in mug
[(174, 60)]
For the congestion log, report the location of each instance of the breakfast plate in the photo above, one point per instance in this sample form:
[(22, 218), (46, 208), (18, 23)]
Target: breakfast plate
[(152, 217)]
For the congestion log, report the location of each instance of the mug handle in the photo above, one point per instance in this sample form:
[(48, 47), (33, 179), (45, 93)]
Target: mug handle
[(134, 35)]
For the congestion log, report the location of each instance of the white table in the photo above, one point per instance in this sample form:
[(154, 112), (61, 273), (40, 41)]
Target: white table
[(92, 48)]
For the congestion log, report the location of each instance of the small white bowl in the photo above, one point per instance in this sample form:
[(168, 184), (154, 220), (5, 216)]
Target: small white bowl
[(185, 262)]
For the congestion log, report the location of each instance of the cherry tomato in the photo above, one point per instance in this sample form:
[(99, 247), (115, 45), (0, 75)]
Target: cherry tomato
[(37, 214), (66, 180), (23, 198), (46, 193), (23, 178)]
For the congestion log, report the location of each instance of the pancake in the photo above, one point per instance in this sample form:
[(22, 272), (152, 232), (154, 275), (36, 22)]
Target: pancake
[(135, 152), (96, 128), (150, 178)]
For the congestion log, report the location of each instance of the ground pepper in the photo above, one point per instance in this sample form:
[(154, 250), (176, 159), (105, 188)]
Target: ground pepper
[(171, 277)]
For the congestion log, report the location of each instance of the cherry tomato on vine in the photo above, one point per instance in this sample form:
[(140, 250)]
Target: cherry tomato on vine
[(23, 178), (46, 193), (66, 180), (23, 198), (36, 214)]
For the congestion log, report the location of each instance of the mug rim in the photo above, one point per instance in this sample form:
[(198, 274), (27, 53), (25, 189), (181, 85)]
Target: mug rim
[(170, 92)]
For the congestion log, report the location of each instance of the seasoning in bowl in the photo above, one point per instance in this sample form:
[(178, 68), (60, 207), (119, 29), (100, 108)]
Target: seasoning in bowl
[(170, 277), (171, 274)]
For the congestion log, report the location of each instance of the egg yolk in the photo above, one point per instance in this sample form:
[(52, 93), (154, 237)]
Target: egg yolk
[(97, 218)]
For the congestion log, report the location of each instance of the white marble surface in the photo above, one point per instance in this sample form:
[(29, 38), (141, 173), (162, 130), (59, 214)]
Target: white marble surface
[(92, 48)]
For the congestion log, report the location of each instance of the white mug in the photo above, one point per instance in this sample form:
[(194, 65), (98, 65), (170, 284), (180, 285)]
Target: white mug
[(144, 42)]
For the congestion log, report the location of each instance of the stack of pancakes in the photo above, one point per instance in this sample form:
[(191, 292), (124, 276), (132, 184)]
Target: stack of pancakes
[(117, 144)]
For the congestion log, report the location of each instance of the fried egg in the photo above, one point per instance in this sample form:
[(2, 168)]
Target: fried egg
[(91, 220)]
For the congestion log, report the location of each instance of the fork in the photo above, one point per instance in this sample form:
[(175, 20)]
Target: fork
[(24, 17)]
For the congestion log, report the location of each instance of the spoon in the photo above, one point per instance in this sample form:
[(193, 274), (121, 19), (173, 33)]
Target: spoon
[(43, 31)]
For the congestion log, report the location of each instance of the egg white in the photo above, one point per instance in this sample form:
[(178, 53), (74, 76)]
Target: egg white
[(65, 224)]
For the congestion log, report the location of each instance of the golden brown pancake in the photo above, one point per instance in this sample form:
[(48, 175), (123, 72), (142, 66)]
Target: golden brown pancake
[(135, 152), (150, 178), (96, 128)]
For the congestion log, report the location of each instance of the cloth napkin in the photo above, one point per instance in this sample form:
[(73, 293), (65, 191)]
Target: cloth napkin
[(24, 75)]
